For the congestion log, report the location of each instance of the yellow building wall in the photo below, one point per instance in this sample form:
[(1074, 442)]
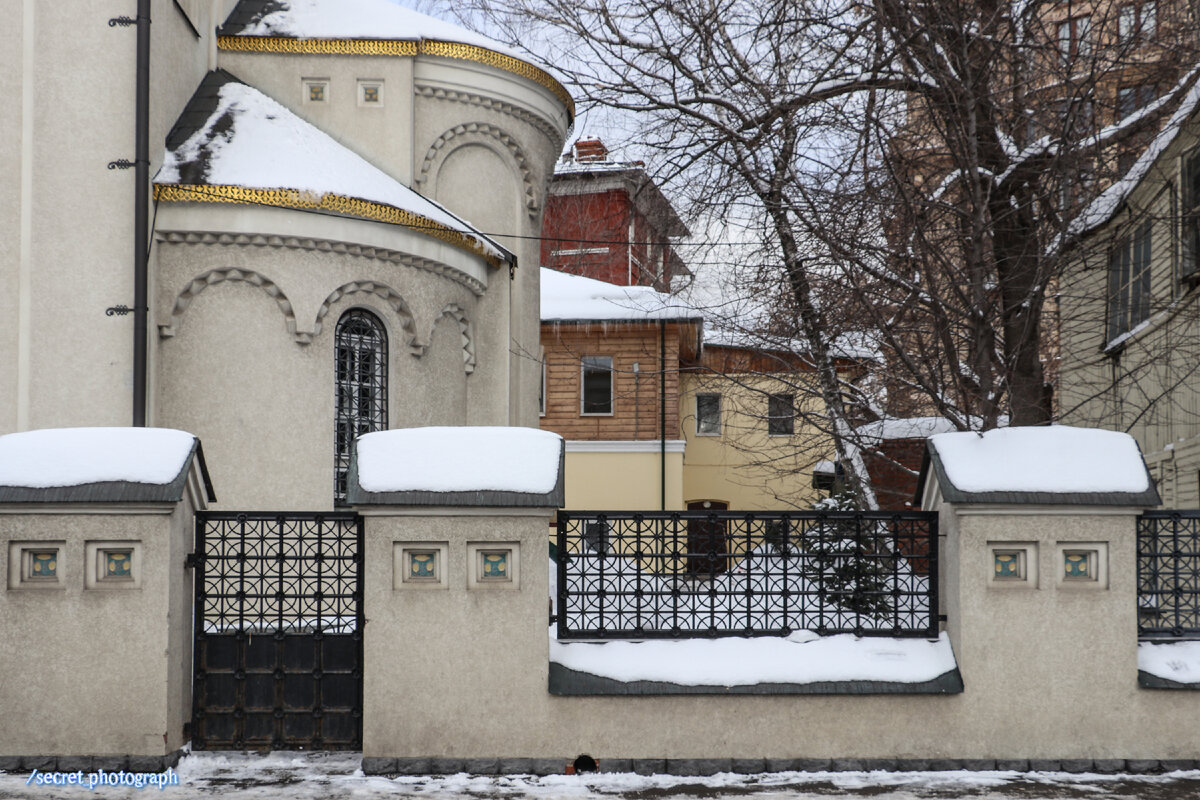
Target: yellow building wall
[(743, 465), (623, 481)]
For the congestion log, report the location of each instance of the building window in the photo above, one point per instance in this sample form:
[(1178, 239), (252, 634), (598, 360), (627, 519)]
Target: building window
[(542, 390), (1129, 282), (1075, 38), (597, 382), (360, 345), (781, 414), (1190, 216), (1131, 98), (708, 415), (1137, 20)]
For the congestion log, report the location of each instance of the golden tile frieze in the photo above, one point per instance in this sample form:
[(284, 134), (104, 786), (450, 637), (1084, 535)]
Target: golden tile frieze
[(308, 201), (391, 47)]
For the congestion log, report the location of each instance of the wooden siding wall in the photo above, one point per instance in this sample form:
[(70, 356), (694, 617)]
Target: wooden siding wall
[(635, 397)]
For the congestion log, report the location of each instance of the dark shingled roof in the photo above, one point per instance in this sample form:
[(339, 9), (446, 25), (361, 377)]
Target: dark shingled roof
[(952, 494), (116, 491), (195, 114), (357, 496)]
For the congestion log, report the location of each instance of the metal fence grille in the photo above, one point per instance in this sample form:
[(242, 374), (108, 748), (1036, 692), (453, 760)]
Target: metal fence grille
[(360, 344), (642, 575), (1168, 548), (278, 640)]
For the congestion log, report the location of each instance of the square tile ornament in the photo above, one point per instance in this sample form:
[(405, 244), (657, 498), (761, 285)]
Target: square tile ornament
[(112, 565), (419, 565), (1012, 565), (493, 565), (36, 565)]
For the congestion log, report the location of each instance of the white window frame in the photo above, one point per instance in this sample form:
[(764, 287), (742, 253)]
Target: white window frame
[(700, 417), (790, 418), (595, 366)]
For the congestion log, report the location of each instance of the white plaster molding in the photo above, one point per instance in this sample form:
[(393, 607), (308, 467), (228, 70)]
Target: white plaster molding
[(481, 132), (324, 245), (385, 293), (542, 125), (215, 276), (455, 312)]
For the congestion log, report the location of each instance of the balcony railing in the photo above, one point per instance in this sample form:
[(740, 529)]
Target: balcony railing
[(1168, 550), (678, 574)]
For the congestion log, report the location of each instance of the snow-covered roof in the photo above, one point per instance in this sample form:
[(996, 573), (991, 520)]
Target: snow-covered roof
[(907, 428), (406, 464), (113, 464), (348, 19), (852, 346), (1174, 664), (1054, 464), (574, 298), (232, 135), (1108, 202)]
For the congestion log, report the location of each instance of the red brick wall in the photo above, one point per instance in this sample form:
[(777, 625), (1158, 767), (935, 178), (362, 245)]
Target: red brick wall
[(894, 487)]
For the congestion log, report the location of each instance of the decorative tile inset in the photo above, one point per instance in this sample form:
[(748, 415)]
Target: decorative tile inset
[(370, 93), (1079, 565), (113, 565), (315, 91), (1084, 565), (1012, 565), (419, 565), (1009, 565), (118, 564), (36, 565), (495, 566), (43, 564), (422, 566)]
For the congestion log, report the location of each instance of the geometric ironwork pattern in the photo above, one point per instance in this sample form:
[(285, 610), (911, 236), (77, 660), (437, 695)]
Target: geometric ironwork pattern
[(361, 364), (278, 631), (1168, 554), (679, 574)]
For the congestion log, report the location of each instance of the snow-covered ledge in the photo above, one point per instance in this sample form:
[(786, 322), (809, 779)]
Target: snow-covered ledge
[(1169, 665), (802, 663), (457, 466)]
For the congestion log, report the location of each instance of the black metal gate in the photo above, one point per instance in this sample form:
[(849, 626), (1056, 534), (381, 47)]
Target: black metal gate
[(278, 631)]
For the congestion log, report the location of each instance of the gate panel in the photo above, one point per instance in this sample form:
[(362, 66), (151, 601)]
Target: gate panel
[(278, 631)]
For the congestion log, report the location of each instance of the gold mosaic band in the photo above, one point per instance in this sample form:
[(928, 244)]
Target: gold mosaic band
[(340, 204), (387, 47)]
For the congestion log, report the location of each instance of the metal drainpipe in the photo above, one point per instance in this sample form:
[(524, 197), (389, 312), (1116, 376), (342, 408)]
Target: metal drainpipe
[(141, 210), (662, 414)]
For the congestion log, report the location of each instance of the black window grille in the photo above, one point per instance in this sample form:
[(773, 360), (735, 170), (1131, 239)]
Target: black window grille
[(360, 345), (1168, 549), (709, 573)]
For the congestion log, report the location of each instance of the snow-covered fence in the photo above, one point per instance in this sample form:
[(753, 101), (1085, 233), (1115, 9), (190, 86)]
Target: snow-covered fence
[(706, 573)]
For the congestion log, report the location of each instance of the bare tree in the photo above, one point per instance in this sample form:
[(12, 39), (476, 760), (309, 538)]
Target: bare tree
[(915, 165)]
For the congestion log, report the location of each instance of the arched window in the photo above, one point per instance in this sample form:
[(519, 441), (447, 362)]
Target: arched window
[(360, 363)]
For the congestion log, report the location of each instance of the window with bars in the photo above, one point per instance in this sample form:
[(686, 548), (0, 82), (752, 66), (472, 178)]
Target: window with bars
[(1129, 282), (360, 345)]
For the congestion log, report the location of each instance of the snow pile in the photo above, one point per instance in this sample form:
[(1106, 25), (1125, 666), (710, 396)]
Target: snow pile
[(462, 459), (576, 298), (252, 141), (1056, 459), (800, 658), (1172, 661), (75, 456), (363, 19)]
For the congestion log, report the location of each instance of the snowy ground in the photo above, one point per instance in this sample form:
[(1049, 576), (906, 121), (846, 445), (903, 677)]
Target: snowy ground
[(320, 775)]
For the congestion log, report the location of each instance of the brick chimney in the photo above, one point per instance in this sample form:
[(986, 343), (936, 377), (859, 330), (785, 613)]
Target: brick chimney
[(587, 150)]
